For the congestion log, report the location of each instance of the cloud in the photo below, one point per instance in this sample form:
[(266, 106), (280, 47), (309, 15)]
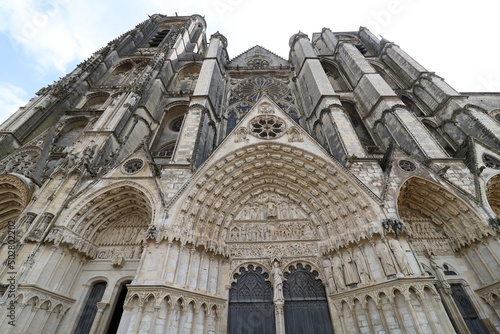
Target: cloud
[(11, 98), (57, 32)]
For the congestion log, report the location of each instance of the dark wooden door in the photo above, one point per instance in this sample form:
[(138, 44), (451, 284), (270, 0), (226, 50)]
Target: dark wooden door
[(251, 309), (90, 309), (467, 310), (306, 307)]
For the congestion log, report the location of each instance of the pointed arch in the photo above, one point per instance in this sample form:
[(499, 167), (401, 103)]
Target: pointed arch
[(359, 126), (122, 205), (435, 213), (335, 77), (251, 302), (15, 194), (493, 194), (306, 306), (335, 204)]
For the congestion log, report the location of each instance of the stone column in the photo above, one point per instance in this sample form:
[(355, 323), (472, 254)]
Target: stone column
[(97, 320), (138, 319), (442, 315), (152, 328), (425, 307), (416, 323), (280, 318), (26, 326), (335, 314), (383, 318), (366, 309), (356, 320), (43, 322), (398, 315)]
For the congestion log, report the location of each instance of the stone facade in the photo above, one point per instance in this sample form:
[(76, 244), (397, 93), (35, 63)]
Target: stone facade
[(162, 187)]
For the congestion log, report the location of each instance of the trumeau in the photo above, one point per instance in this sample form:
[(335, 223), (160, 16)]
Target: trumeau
[(162, 187)]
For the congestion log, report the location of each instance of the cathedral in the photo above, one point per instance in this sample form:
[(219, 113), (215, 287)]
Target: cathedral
[(165, 187)]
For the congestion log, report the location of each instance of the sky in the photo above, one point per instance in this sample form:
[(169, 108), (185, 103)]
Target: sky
[(42, 40)]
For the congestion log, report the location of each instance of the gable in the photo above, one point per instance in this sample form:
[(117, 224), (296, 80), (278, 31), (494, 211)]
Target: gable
[(258, 57)]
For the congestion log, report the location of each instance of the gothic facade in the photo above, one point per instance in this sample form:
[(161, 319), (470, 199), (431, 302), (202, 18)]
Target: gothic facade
[(163, 187)]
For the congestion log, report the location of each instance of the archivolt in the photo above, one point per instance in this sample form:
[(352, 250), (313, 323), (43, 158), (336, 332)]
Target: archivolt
[(338, 206), (14, 196), (420, 198), (109, 207), (493, 194)]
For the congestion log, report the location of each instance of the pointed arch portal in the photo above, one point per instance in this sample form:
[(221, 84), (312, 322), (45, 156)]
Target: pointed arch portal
[(306, 306), (251, 309)]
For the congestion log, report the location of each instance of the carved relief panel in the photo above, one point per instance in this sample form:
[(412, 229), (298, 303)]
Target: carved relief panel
[(275, 225), (123, 240), (427, 235)]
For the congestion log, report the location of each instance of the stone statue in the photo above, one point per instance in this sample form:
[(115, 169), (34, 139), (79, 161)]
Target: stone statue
[(337, 272), (277, 275), (386, 259), (241, 135), (271, 209), (363, 272), (118, 259), (400, 256), (294, 134), (440, 274), (349, 275)]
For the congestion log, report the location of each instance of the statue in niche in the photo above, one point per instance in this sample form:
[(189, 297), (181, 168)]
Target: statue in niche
[(338, 278), (400, 256), (386, 259), (349, 274), (363, 272), (277, 275)]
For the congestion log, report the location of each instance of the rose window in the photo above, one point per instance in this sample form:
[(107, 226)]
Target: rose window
[(491, 161), (252, 89), (267, 127), (407, 165), (133, 166)]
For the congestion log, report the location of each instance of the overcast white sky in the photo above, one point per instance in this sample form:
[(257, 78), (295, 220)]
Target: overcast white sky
[(41, 40)]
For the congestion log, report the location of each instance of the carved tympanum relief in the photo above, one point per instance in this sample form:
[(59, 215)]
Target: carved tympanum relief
[(271, 217), (122, 240)]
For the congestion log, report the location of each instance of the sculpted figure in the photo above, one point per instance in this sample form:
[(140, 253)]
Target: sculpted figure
[(364, 273), (400, 256), (385, 258), (349, 274), (278, 282), (271, 209), (328, 273), (118, 259), (337, 272), (440, 274), (241, 135)]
